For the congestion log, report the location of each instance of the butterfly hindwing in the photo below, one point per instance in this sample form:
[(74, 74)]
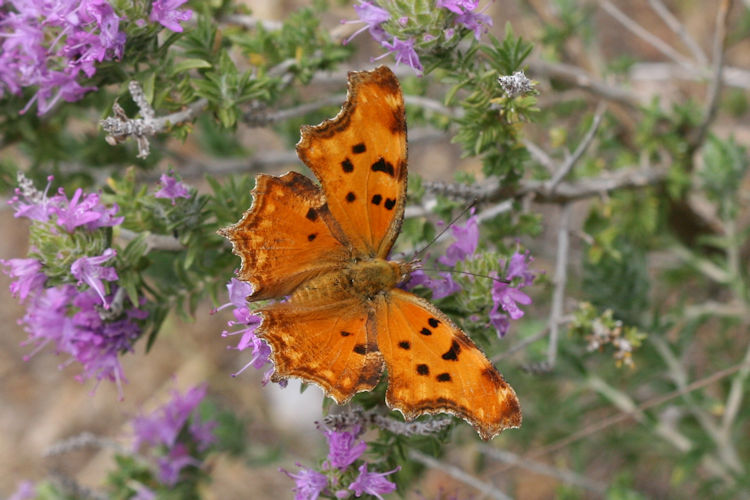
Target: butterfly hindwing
[(326, 343), (286, 237), (433, 366), (360, 159)]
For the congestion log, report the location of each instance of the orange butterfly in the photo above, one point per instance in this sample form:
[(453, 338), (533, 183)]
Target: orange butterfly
[(326, 247)]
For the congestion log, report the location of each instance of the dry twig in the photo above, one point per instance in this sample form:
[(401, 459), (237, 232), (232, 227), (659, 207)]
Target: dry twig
[(457, 473), (564, 475), (119, 127)]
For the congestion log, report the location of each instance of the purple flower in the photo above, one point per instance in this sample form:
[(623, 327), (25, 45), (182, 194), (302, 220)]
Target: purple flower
[(26, 491), (166, 13), (81, 210), (77, 211), (309, 483), (53, 86), (161, 437), (403, 51), (467, 241), (373, 17), (457, 6), (203, 433), (475, 21), (29, 202), (46, 319), (90, 271), (29, 276), (106, 217), (519, 268), (440, 287), (238, 293), (249, 322), (373, 483), (499, 321), (163, 425), (70, 320), (90, 341), (171, 465), (505, 296), (171, 188), (343, 451), (142, 492)]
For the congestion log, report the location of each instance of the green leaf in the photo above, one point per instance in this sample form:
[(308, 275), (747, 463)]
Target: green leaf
[(188, 64)]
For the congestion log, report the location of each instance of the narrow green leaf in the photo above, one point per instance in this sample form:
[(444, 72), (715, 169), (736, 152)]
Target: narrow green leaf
[(188, 64)]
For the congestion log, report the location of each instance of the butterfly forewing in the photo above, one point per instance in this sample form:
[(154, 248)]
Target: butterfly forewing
[(360, 159), (285, 238)]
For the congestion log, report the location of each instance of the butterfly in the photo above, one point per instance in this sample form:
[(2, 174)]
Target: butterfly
[(325, 248)]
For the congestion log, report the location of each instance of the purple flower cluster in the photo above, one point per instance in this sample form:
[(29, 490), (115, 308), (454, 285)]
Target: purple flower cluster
[(339, 480), (53, 45), (466, 241), (505, 296), (75, 319), (160, 435), (82, 210), (70, 319), (49, 45), (405, 48), (373, 18), (248, 323)]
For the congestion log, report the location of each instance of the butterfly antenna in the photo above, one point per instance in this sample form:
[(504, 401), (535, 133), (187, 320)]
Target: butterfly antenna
[(420, 254), (453, 271)]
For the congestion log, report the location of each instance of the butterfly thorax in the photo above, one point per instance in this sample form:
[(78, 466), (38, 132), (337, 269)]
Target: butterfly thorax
[(362, 279), (368, 278)]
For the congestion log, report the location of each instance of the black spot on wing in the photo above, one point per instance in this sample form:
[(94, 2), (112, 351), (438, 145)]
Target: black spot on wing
[(350, 197), (383, 166), (359, 148), (347, 166), (444, 377), (376, 199), (452, 353), (404, 344), (344, 333), (423, 369), (360, 349), (389, 203), (433, 322), (311, 215), (425, 331), (311, 236)]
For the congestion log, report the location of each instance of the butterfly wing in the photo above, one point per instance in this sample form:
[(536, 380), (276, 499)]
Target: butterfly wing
[(433, 366), (286, 237), (360, 159), (323, 342)]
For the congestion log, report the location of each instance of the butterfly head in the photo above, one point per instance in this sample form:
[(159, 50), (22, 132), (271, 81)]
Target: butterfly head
[(404, 269)]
